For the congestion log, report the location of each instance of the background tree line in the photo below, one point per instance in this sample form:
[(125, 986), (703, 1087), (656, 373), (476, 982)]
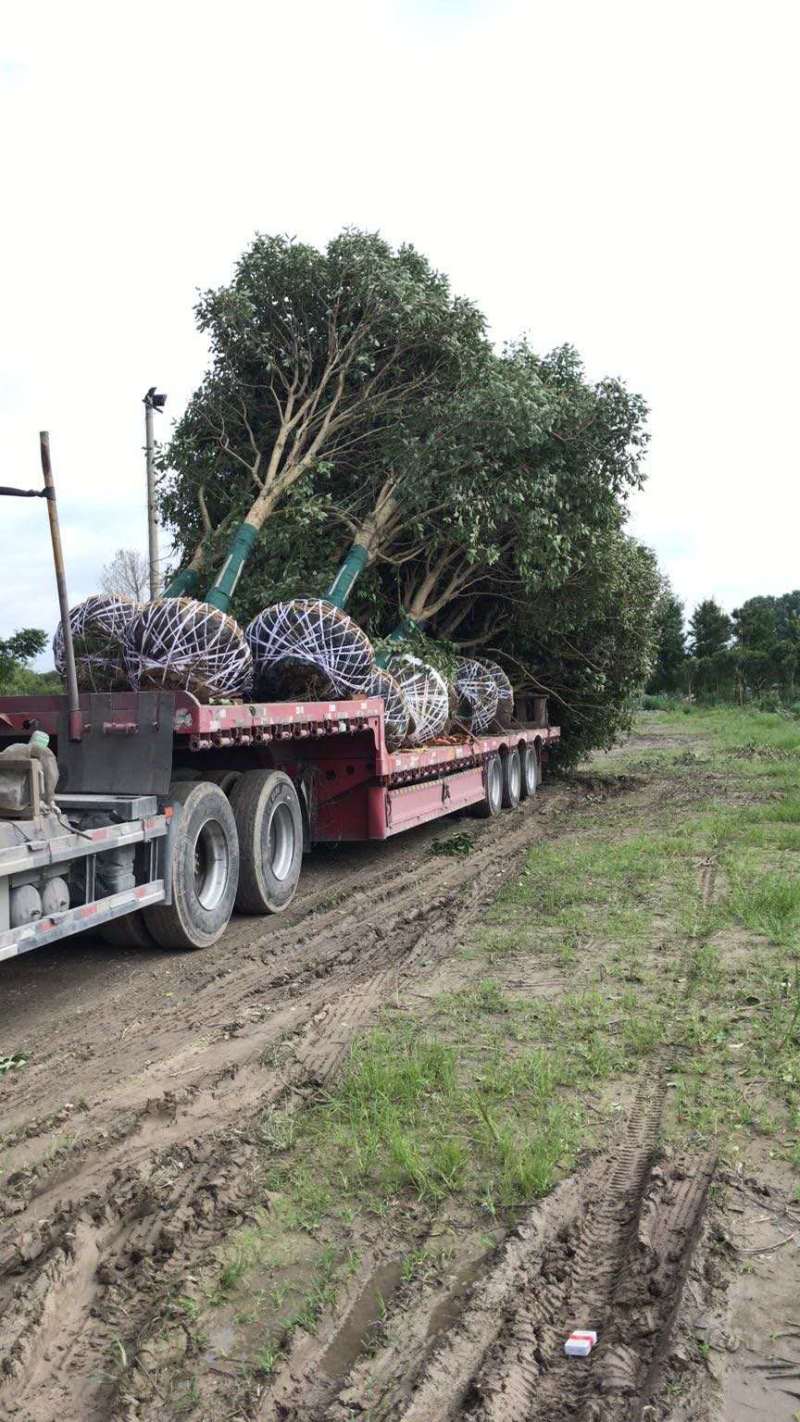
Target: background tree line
[(752, 654)]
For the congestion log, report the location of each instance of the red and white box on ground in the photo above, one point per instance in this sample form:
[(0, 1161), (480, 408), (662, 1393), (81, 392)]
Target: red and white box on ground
[(580, 1343)]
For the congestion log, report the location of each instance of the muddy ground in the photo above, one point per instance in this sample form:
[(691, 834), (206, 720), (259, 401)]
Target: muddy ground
[(133, 1151)]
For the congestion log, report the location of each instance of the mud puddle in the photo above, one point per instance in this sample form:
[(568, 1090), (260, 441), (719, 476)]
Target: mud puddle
[(363, 1321), (446, 1314)]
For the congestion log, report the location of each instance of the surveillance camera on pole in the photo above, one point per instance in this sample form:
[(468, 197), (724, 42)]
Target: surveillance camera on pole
[(152, 401)]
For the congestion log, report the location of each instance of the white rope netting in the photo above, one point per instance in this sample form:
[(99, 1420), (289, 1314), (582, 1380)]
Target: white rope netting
[(505, 693), (396, 712), (476, 689), (99, 625), (426, 693), (179, 644), (310, 635)]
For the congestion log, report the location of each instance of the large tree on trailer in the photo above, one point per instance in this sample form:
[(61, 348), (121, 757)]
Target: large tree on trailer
[(444, 489), (537, 471), (314, 355), (589, 644), (467, 484)]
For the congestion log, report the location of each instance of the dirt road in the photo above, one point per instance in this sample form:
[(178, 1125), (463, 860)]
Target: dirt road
[(144, 1070)]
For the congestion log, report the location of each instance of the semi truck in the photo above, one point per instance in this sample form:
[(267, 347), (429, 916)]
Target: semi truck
[(169, 814)]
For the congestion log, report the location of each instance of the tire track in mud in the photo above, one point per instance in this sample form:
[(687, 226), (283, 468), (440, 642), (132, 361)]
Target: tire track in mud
[(81, 1276), (610, 1250), (173, 1073)]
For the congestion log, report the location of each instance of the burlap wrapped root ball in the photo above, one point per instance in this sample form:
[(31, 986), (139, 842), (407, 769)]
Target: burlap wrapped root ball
[(396, 711), (505, 694), (476, 689), (427, 695), (179, 644), (99, 625), (309, 648)]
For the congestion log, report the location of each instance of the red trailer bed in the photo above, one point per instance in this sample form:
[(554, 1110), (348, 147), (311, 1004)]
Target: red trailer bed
[(353, 786), (364, 790), (158, 790)]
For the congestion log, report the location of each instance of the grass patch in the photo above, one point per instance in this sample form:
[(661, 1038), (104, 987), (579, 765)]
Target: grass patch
[(767, 903), (414, 1114)]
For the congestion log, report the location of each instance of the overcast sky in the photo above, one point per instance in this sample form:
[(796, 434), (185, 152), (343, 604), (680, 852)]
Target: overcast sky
[(619, 175)]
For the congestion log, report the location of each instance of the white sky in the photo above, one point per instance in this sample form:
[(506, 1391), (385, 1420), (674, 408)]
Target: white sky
[(619, 175)]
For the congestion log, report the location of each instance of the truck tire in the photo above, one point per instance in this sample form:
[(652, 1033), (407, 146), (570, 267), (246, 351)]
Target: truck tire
[(512, 780), (531, 774), (492, 801), (269, 823), (205, 869), (130, 931)]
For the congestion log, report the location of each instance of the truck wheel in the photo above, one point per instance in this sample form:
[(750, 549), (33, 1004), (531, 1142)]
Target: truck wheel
[(512, 780), (225, 779), (130, 931), (269, 822), (492, 801), (530, 772), (205, 869)]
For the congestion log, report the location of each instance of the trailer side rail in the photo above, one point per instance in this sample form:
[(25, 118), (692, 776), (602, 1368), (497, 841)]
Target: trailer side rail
[(413, 764), (14, 941)]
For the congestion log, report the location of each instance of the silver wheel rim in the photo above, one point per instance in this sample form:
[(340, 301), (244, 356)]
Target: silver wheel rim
[(530, 769), (514, 777), (210, 864), (495, 783), (280, 842)]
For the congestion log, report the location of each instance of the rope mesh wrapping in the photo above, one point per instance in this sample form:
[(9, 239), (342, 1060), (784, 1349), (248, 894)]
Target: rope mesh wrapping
[(99, 625), (505, 693), (309, 635), (427, 696), (477, 695), (183, 645), (396, 711)]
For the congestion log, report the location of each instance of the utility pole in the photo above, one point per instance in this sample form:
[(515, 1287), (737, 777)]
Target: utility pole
[(152, 401)]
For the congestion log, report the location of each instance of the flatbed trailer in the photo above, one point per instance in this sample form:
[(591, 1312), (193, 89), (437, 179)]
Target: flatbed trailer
[(170, 813)]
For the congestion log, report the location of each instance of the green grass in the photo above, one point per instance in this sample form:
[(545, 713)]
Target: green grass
[(785, 812), (730, 727), (416, 1115), (768, 903)]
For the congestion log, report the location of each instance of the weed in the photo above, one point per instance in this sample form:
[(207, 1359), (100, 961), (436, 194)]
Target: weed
[(471, 1003), (424, 1263), (457, 845), (267, 1359), (276, 1128), (187, 1399), (232, 1271)]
